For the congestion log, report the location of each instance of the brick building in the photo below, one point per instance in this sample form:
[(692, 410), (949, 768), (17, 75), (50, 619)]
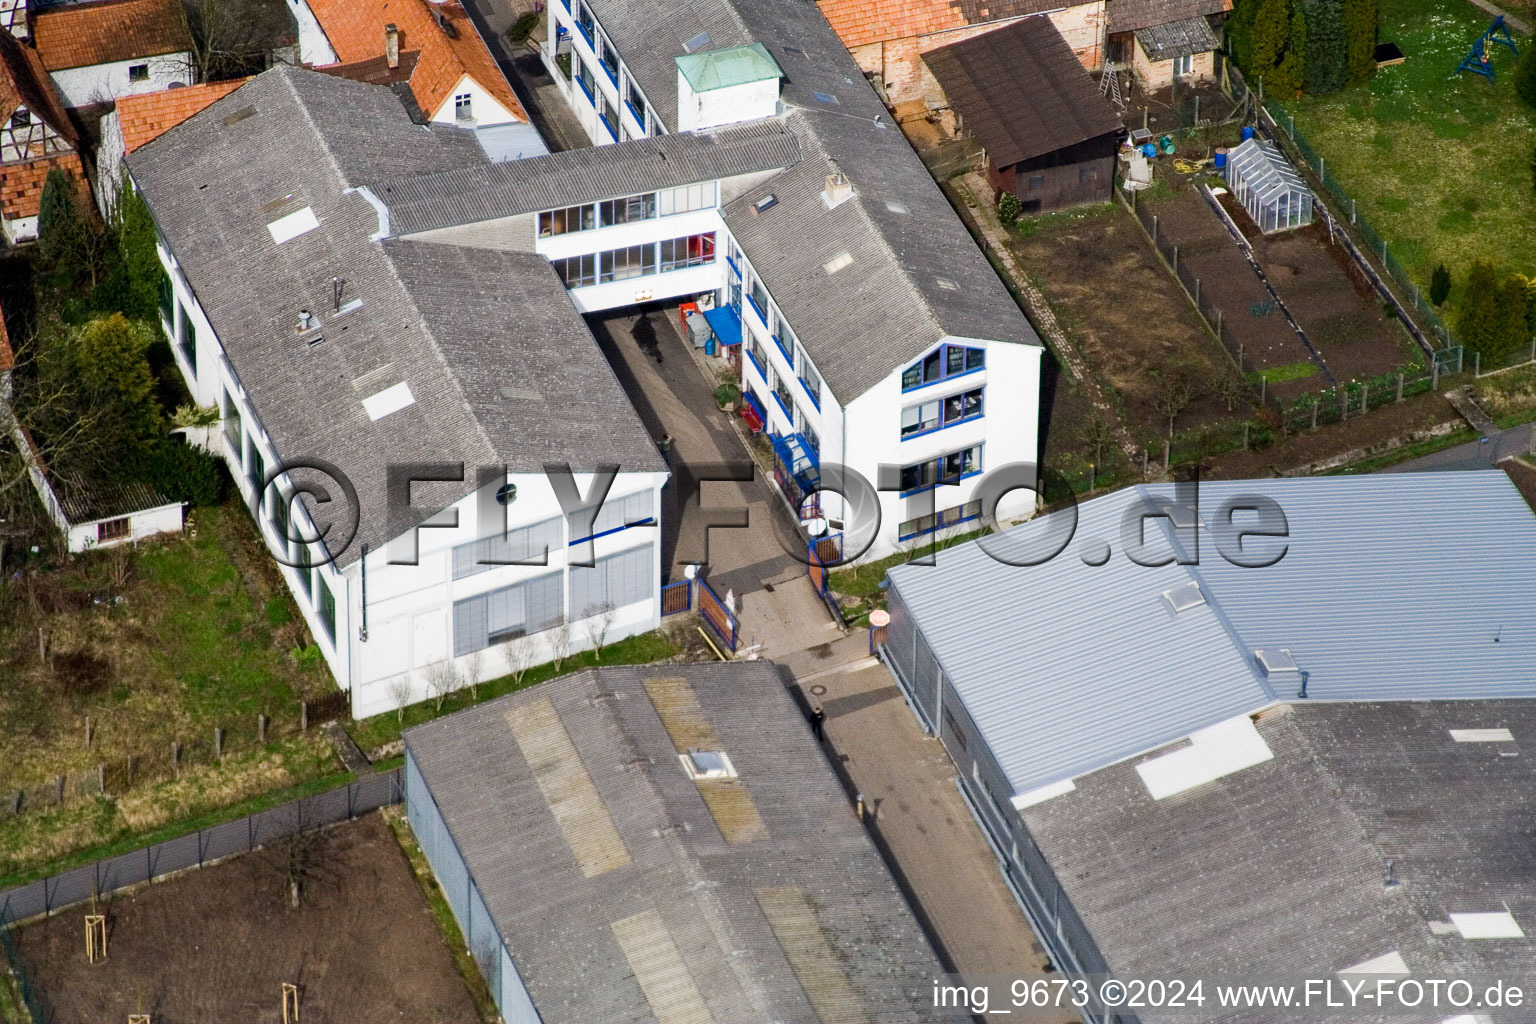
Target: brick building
[(35, 137)]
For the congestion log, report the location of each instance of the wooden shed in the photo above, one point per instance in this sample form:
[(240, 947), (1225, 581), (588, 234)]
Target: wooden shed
[(1049, 136)]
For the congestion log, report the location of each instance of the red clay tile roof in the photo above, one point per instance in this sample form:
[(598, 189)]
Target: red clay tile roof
[(79, 35), (861, 22), (21, 185), (149, 115), (355, 29), (24, 83)]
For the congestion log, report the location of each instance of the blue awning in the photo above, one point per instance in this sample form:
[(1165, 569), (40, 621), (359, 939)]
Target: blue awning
[(799, 459), (726, 324)]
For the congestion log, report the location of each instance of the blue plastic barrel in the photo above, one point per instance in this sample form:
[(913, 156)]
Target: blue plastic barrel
[(1149, 151), (1247, 132), (709, 347), (1219, 158)]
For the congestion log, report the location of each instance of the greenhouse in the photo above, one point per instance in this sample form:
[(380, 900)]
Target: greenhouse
[(1274, 195)]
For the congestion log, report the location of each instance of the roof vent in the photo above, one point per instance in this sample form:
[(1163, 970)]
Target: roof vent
[(768, 202), (1184, 597), (838, 189), (1275, 660), (707, 764), (392, 45), (306, 321)]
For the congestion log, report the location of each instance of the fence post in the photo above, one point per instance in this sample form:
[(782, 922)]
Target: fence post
[(1399, 387), (1218, 334), (261, 728), (1314, 415), (1154, 228), (1175, 260), (1352, 210), (218, 743), (1343, 404), (1197, 291), (1319, 163), (1434, 372), (176, 758), (1245, 435), (58, 789), (1533, 350), (1461, 358), (1477, 364), (1365, 398)]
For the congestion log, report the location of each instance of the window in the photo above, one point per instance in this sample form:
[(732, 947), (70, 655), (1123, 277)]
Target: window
[(636, 104), (606, 114), (782, 335), (939, 520), (687, 198), (302, 570), (586, 23), (630, 208), (611, 582), (1184, 65), (464, 107), (256, 473), (781, 392), (609, 57), (113, 529), (810, 378), (942, 362), (519, 544), (167, 302), (812, 439), (962, 407), (577, 271), (531, 606), (21, 118), (138, 72), (325, 608), (947, 469), (954, 728), (1087, 174), (619, 514), (758, 356), (583, 75), (278, 516), (1036, 181), (231, 415), (186, 337), (693, 251), (759, 297), (563, 222), (623, 264), (919, 419)]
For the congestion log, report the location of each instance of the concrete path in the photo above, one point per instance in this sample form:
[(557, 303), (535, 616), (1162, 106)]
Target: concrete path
[(1484, 453)]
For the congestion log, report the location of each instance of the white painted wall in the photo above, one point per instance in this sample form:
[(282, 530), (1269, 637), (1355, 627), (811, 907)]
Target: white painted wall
[(314, 47), (148, 523), (102, 83), (485, 107), (748, 102), (19, 229)]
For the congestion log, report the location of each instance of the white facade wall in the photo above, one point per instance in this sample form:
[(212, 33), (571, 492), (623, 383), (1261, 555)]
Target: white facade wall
[(410, 608), (751, 101), (485, 108), (19, 229), (314, 48), (102, 83), (141, 525), (630, 126)]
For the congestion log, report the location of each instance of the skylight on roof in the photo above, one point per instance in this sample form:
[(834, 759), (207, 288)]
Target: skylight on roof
[(391, 399), (1482, 736), (1213, 753), (698, 42), (946, 284), (1184, 597), (827, 98), (708, 764), (1275, 659), (1501, 925), (838, 262), (1387, 963), (286, 229), (896, 207)]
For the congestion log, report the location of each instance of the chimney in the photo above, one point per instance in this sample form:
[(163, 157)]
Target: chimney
[(838, 188), (392, 45)]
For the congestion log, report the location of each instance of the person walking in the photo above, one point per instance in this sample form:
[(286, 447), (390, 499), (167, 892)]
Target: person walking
[(818, 716)]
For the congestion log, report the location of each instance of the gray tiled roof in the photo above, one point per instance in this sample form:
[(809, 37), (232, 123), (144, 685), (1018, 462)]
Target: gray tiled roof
[(488, 191), (91, 501), (557, 920), (1278, 870), (1409, 588), (1135, 15), (456, 327), (1177, 39), (1022, 92)]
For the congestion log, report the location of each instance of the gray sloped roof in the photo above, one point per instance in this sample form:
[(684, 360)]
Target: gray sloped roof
[(557, 920), (1134, 15), (488, 191), (1177, 39), (1022, 91), (1391, 589), (87, 502), (650, 34), (292, 138), (1277, 870)]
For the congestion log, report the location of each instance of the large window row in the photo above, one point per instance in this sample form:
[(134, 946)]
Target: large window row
[(946, 469), (531, 606), (626, 210), (617, 513), (943, 362), (941, 412), (635, 260), (939, 520), (611, 582), (530, 544)]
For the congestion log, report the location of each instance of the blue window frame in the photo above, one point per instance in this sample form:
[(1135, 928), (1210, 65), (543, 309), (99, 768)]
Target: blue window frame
[(587, 24), (810, 380), (608, 57), (757, 294), (946, 469), (606, 115), (943, 363), (938, 413), (735, 268), (780, 389), (583, 76), (788, 350), (939, 520), (757, 355)]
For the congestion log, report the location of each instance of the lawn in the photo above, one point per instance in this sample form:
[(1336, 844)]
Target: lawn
[(1440, 164), (155, 646)]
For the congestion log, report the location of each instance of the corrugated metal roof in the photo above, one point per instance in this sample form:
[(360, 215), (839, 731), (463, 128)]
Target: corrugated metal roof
[(1399, 587), (1177, 39)]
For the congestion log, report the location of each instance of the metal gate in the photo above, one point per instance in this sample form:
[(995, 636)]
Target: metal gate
[(676, 597), (720, 618)]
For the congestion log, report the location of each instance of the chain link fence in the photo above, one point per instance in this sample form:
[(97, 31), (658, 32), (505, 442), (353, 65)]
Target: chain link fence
[(194, 850)]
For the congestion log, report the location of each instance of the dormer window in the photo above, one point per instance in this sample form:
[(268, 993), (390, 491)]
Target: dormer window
[(943, 362)]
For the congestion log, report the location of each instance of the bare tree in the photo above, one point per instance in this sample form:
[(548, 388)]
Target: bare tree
[(1174, 399), (442, 679), (232, 38), (474, 667), (598, 625), (560, 644), (399, 691), (518, 654), (1096, 434), (1233, 391)]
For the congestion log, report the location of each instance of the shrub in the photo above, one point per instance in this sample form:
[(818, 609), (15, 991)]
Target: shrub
[(522, 28), (727, 393), (1525, 75), (1327, 67), (183, 473), (1439, 285), (1009, 208), (1478, 318), (1359, 21)]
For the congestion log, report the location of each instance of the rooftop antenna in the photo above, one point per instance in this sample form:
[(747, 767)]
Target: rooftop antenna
[(1302, 693), (1498, 633), (337, 285), (1391, 881)]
